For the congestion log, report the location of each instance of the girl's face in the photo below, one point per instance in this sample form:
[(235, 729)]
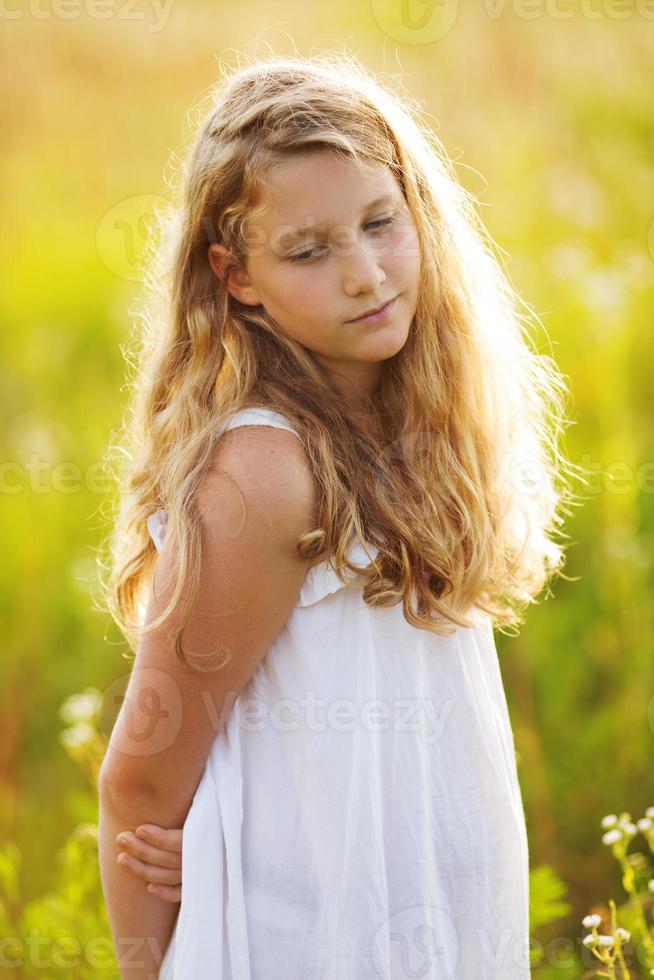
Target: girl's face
[(333, 244)]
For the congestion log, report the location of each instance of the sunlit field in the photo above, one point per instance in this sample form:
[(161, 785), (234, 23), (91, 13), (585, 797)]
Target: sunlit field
[(547, 110)]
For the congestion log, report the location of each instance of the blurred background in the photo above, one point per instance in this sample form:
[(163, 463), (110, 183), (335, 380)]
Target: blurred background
[(547, 109)]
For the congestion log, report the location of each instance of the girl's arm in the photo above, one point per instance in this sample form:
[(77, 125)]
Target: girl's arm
[(251, 577), (141, 924)]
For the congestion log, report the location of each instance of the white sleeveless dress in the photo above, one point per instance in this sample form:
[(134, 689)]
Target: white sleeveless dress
[(359, 817)]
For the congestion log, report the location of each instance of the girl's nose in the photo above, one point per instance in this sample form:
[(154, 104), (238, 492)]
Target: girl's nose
[(363, 271)]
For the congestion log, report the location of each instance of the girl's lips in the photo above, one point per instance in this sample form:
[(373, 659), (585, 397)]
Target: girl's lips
[(379, 315)]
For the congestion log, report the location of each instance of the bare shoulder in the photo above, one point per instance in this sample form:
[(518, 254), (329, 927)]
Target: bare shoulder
[(268, 470)]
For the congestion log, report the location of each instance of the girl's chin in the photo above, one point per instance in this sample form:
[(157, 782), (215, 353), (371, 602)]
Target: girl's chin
[(385, 339)]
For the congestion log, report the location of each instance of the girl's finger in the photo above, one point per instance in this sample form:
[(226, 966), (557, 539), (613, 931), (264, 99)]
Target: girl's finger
[(148, 854), (167, 840), (149, 872), (169, 893)]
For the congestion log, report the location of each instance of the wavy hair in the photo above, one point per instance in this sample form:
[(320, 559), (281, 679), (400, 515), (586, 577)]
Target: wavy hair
[(452, 469)]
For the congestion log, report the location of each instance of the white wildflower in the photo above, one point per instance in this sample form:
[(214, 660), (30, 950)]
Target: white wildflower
[(591, 921), (609, 821), (79, 734), (589, 940), (605, 940), (623, 934), (645, 823), (80, 707), (612, 836)]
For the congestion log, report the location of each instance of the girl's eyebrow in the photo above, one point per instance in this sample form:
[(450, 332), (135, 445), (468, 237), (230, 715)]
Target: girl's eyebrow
[(292, 234)]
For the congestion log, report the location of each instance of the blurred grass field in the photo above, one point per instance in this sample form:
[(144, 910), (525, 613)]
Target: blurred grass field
[(550, 122)]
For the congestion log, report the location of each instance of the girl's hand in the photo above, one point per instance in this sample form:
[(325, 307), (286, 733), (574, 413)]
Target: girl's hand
[(154, 854)]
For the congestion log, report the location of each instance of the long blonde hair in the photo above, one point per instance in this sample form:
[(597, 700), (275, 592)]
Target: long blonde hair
[(437, 469)]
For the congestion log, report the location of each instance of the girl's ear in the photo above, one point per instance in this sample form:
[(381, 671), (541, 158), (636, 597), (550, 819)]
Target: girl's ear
[(238, 282)]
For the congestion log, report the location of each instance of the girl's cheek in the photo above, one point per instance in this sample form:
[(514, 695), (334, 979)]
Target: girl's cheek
[(406, 249)]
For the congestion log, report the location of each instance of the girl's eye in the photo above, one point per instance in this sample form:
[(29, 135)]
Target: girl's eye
[(380, 222), (376, 225)]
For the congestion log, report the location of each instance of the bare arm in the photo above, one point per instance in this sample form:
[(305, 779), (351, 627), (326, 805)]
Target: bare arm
[(141, 923), (251, 576)]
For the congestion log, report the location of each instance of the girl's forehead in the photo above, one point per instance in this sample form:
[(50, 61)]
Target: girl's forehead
[(316, 168), (320, 188)]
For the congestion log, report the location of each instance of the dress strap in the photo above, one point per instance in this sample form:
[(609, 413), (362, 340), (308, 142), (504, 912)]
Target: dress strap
[(258, 416)]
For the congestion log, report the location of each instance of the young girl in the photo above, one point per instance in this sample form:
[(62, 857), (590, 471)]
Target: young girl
[(344, 468)]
